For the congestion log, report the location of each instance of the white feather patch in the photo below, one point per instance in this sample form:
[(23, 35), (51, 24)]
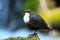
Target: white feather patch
[(26, 17)]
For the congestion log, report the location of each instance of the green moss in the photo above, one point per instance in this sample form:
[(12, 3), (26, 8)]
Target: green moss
[(30, 37)]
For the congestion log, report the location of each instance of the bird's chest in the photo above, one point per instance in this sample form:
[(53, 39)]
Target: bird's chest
[(26, 18), (31, 25)]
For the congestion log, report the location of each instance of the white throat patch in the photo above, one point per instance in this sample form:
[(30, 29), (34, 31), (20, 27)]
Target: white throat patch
[(26, 17)]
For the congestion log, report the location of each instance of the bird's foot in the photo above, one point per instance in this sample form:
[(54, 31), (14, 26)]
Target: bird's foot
[(35, 33)]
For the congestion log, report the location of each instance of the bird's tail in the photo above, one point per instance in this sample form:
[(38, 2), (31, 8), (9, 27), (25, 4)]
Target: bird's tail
[(46, 27)]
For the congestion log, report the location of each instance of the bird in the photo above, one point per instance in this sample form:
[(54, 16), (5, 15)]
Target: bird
[(34, 21)]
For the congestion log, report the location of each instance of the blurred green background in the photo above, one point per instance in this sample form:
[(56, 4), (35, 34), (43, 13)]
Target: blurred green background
[(31, 4)]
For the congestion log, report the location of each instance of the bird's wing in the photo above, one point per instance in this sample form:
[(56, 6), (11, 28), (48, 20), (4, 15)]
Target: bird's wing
[(37, 21)]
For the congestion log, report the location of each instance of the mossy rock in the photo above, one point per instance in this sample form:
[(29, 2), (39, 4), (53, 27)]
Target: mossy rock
[(30, 37)]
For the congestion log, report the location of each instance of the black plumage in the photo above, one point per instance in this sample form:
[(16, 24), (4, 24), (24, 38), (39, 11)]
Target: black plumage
[(36, 22)]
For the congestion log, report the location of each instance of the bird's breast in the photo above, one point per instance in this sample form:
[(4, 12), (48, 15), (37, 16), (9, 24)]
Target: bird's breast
[(26, 18)]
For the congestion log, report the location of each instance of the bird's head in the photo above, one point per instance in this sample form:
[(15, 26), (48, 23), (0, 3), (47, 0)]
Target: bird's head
[(27, 15), (29, 11)]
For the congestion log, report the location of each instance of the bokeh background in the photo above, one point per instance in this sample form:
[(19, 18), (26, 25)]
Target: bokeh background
[(12, 12)]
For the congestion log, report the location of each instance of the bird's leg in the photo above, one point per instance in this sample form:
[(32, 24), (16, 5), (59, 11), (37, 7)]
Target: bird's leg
[(35, 32)]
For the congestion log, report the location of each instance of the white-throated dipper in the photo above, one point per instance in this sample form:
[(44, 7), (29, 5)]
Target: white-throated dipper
[(34, 21)]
